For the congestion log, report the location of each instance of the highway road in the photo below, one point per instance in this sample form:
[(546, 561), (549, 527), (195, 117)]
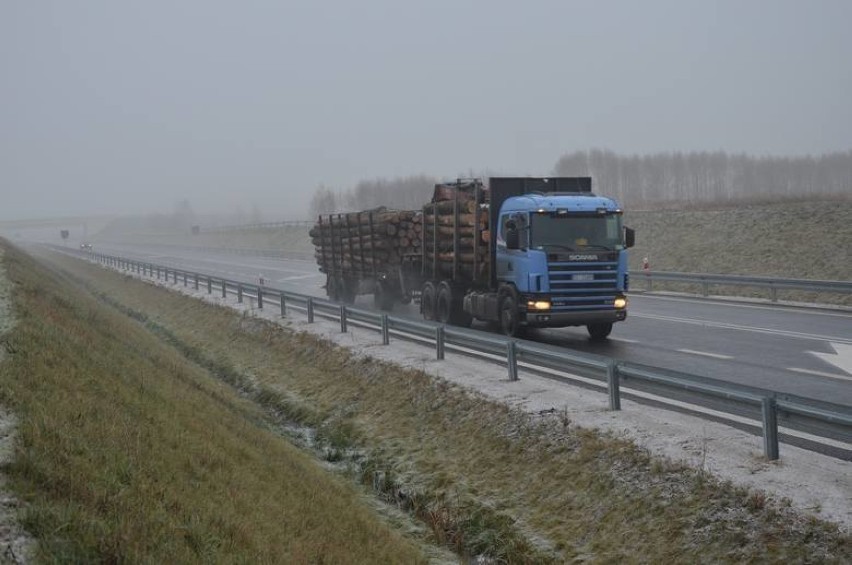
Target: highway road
[(789, 349)]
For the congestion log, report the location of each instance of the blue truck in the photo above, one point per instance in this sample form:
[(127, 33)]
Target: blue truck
[(522, 252), (553, 255)]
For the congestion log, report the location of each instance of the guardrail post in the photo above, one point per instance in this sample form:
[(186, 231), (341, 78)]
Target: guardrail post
[(310, 309), (613, 386), (705, 288), (439, 342), (240, 293), (770, 428), (224, 289), (512, 359), (283, 305), (158, 273), (385, 330), (773, 293), (175, 277), (649, 285), (209, 285), (259, 298), (343, 318), (195, 277)]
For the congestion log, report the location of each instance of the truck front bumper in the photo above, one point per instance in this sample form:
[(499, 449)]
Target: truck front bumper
[(563, 319)]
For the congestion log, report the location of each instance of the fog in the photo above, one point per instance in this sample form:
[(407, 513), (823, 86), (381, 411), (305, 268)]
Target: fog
[(131, 108)]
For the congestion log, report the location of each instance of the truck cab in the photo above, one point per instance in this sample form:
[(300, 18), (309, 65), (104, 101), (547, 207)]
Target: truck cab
[(565, 257), (558, 255)]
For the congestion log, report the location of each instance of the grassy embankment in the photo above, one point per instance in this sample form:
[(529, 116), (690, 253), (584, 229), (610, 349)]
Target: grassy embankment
[(484, 479), (130, 452), (799, 240)]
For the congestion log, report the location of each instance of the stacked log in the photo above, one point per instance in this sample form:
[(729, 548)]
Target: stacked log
[(456, 233), (371, 242)]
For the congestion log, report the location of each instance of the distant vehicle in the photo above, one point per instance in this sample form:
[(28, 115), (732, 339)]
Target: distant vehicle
[(86, 246)]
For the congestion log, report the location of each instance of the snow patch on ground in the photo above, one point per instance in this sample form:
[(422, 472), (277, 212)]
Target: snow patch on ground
[(15, 544), (813, 483)]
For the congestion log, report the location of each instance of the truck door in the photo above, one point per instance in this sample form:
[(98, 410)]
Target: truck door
[(511, 265)]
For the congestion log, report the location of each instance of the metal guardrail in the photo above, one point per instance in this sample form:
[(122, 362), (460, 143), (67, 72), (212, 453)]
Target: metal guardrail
[(705, 280), (251, 252), (765, 409), (771, 283), (258, 226)]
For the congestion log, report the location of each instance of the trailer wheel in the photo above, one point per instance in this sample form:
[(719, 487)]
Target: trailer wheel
[(444, 304), (383, 298), (331, 289), (348, 291), (509, 323), (599, 331), (428, 297)]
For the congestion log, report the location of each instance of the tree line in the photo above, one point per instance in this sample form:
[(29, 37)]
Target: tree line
[(660, 179), (701, 177)]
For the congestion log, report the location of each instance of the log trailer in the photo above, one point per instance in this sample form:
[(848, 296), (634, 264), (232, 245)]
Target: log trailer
[(525, 252)]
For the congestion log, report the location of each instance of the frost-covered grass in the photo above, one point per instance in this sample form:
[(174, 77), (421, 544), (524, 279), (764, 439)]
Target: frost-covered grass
[(483, 478), (130, 451)]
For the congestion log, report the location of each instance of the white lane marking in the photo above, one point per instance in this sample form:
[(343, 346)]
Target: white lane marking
[(705, 354), (624, 340), (737, 305), (841, 358), (819, 373), (722, 325), (297, 277)]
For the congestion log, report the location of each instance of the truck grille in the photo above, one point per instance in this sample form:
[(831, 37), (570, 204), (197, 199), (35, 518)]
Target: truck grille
[(577, 286)]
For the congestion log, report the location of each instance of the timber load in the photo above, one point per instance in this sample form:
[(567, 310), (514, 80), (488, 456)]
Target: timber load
[(366, 243), (456, 232)]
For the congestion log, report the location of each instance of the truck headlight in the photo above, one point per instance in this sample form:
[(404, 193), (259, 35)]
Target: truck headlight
[(620, 302), (538, 305)]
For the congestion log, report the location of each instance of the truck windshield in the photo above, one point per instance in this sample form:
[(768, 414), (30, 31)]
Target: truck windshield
[(576, 231)]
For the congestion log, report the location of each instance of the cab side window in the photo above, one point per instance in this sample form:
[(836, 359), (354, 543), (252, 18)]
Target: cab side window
[(505, 221)]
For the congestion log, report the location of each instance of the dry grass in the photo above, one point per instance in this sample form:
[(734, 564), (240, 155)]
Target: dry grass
[(130, 452), (485, 479), (806, 240)]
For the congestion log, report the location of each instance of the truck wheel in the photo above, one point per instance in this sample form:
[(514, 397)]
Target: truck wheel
[(458, 316), (331, 289), (599, 331), (444, 304), (509, 316), (348, 291), (428, 297), (383, 298)]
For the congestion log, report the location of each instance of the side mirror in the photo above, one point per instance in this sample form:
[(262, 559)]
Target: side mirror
[(629, 237), (512, 239)]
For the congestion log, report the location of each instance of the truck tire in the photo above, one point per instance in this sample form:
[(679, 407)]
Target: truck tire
[(444, 304), (428, 298), (599, 331), (331, 289), (383, 298), (508, 313), (347, 291)]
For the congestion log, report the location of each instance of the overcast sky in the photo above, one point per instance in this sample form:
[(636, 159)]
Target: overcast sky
[(129, 107)]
